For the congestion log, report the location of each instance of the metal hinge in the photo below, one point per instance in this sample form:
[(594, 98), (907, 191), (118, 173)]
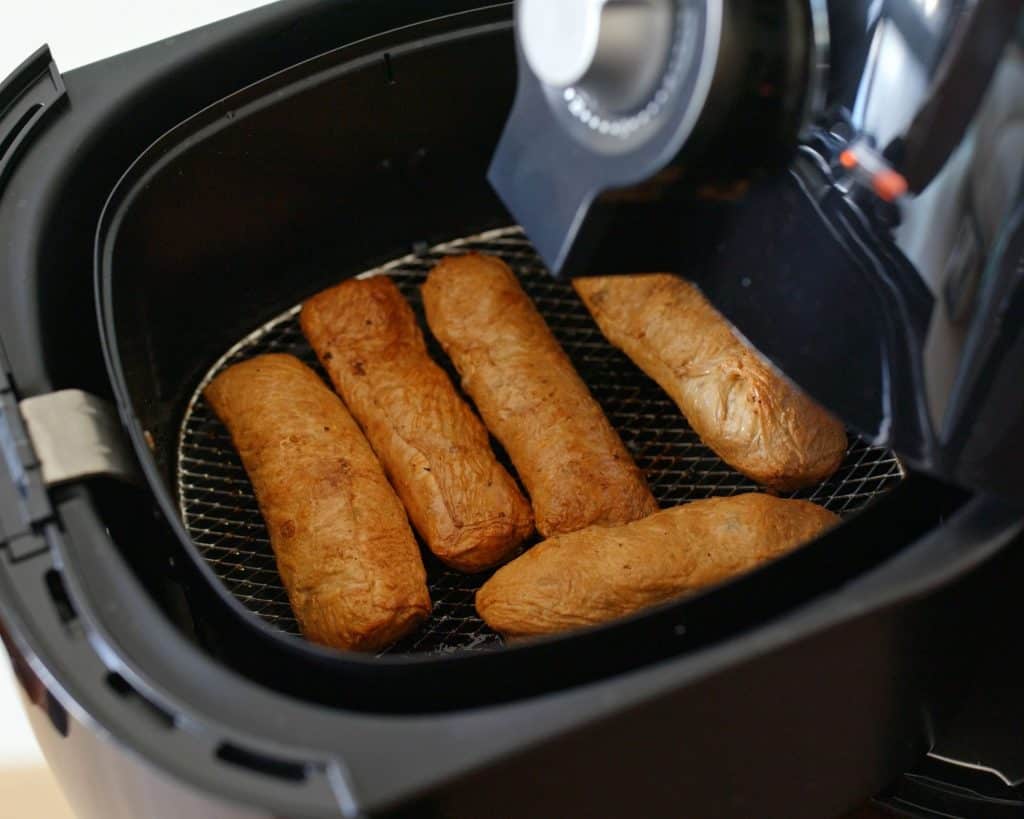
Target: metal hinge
[(76, 435), (45, 441)]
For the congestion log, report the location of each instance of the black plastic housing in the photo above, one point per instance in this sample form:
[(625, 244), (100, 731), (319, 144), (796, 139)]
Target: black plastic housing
[(901, 315), (232, 215)]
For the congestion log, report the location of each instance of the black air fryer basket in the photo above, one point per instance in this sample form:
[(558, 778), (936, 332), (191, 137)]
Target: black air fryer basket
[(162, 213)]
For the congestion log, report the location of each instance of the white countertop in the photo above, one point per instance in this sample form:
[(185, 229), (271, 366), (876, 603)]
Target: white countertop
[(83, 31), (17, 743)]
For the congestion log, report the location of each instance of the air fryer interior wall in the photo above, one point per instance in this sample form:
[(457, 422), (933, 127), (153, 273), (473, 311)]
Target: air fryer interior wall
[(317, 173), (309, 177)]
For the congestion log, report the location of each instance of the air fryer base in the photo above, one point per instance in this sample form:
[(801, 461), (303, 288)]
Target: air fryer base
[(806, 714)]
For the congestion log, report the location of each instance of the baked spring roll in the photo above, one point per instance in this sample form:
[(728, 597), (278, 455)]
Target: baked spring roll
[(572, 462), (435, 450), (599, 574), (755, 420), (343, 545)]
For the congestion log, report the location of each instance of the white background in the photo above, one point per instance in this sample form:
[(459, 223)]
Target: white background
[(80, 32), (83, 31), (17, 745)]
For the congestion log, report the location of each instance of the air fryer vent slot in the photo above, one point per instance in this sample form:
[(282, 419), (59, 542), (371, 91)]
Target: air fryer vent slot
[(59, 595), (221, 514), (127, 691), (260, 763)]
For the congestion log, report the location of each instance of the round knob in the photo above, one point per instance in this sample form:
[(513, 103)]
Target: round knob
[(615, 50)]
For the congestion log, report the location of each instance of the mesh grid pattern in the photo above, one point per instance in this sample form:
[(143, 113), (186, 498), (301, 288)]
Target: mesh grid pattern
[(220, 511)]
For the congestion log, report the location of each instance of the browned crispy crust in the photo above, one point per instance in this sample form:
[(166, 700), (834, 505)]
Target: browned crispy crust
[(434, 449), (569, 457), (599, 574), (343, 545), (756, 421)]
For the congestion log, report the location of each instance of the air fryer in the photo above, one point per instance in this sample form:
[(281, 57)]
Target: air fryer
[(162, 214)]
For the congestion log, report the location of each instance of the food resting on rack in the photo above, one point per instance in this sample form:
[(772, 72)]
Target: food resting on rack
[(602, 573), (571, 460), (435, 450), (343, 545), (755, 420)]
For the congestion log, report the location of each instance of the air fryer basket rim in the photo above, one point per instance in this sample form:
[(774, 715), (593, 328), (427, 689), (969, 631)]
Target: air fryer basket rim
[(164, 151), (182, 679)]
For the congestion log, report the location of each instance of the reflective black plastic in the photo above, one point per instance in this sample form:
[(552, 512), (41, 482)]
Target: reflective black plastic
[(732, 101), (904, 315)]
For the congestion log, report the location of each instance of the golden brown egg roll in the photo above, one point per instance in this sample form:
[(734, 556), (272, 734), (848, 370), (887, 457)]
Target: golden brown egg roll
[(601, 573), (344, 549), (574, 465), (755, 420), (435, 450)]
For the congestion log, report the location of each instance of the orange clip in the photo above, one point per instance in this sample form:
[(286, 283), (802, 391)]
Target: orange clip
[(889, 185)]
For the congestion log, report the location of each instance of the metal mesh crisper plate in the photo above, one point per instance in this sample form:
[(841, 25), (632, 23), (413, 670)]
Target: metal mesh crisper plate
[(221, 515)]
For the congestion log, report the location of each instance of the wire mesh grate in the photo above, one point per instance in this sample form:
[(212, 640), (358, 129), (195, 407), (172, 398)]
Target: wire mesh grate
[(221, 515)]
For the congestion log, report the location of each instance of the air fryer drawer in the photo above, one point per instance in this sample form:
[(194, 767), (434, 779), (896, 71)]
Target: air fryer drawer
[(257, 202)]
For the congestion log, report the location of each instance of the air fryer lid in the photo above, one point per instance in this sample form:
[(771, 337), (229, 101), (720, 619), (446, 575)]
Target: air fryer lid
[(902, 314)]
